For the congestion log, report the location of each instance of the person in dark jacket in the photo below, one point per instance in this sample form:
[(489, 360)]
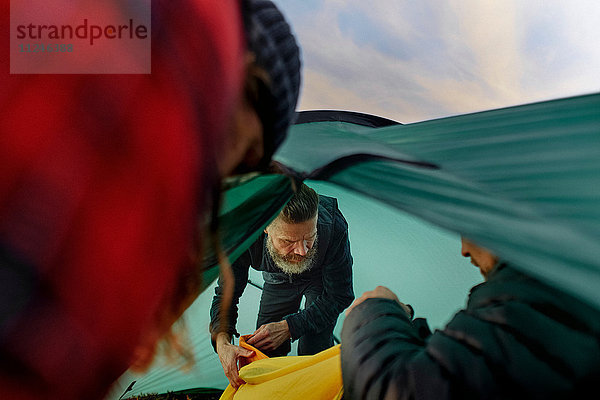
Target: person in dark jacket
[(517, 338), (304, 252)]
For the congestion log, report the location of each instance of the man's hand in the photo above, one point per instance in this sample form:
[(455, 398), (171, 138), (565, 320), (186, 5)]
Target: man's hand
[(230, 355), (270, 336), (379, 292)]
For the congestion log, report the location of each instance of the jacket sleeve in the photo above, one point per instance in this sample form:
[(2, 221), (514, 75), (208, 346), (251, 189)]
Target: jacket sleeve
[(240, 271), (379, 342), (337, 287), (515, 339), (385, 356)]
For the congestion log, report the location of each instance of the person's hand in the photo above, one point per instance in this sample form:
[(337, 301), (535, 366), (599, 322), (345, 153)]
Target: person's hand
[(230, 355), (270, 336), (380, 292)]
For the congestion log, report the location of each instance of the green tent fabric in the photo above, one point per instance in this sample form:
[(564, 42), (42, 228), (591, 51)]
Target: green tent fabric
[(523, 181)]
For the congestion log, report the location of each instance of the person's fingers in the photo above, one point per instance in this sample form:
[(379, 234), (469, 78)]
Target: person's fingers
[(232, 375), (266, 345), (233, 383), (355, 303), (409, 310), (242, 352), (239, 382), (382, 291), (261, 344), (379, 291), (350, 308), (258, 335)]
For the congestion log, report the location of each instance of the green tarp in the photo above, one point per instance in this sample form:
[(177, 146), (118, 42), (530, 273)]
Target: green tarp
[(523, 181)]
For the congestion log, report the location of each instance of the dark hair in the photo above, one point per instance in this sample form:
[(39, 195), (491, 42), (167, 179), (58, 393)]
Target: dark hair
[(302, 207)]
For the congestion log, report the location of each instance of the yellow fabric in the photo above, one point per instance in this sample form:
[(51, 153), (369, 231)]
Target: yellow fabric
[(291, 378), (258, 355)]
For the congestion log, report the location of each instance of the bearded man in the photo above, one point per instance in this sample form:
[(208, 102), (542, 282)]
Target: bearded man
[(304, 252)]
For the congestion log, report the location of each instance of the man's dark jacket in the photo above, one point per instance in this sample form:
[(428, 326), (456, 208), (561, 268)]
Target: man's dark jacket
[(517, 338), (333, 266)]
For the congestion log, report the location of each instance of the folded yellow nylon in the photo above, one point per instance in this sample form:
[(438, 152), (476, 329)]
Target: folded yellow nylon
[(292, 377)]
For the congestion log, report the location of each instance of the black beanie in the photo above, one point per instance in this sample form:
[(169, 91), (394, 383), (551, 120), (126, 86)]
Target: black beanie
[(270, 38)]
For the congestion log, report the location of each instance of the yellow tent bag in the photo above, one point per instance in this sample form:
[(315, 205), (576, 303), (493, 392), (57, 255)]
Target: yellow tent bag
[(291, 378)]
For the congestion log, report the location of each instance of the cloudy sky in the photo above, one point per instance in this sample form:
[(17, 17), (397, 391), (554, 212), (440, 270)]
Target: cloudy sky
[(413, 60)]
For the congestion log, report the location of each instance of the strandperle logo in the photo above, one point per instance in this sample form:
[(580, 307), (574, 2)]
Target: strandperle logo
[(80, 36), (83, 31)]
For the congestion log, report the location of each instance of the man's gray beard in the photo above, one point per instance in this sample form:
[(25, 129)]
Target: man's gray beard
[(290, 267)]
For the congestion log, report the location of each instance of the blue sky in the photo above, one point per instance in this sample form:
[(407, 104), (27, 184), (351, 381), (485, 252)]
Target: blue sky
[(417, 60)]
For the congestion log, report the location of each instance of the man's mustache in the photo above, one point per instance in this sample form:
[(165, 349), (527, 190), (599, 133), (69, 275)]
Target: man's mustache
[(294, 257)]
